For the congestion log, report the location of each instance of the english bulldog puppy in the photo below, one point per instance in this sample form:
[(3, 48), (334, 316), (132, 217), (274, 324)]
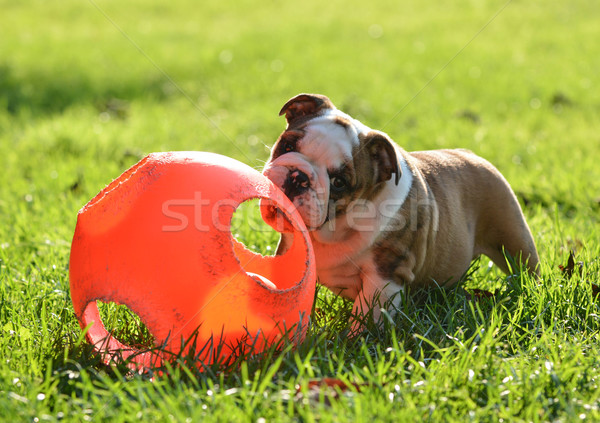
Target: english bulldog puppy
[(382, 219)]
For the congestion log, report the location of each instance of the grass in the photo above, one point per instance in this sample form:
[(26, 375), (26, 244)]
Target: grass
[(89, 88)]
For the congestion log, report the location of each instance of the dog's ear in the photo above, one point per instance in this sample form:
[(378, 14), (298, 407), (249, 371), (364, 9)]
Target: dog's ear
[(383, 154), (304, 105)]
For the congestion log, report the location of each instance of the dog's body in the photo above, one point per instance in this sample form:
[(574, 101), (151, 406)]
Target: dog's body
[(382, 218)]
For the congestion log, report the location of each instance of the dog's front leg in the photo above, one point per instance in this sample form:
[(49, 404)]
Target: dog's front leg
[(376, 293)]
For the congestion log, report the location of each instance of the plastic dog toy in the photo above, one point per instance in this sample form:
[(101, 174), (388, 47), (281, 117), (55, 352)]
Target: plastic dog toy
[(158, 240)]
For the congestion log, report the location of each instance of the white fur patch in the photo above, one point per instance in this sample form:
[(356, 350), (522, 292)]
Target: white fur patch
[(329, 143), (360, 127), (394, 195)]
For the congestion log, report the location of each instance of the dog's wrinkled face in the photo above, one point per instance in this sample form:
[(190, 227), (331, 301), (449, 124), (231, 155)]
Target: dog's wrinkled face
[(325, 160)]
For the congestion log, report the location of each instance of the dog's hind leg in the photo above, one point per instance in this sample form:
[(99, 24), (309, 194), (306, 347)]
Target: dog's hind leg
[(512, 238)]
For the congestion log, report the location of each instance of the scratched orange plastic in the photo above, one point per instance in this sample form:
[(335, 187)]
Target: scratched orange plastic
[(158, 240)]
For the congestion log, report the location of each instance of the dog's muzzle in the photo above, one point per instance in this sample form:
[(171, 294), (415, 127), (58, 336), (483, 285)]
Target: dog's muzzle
[(304, 185)]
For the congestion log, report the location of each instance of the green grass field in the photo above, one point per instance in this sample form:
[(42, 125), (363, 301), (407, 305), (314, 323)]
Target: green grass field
[(87, 88)]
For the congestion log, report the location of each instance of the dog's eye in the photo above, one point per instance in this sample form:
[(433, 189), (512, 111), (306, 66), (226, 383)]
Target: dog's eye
[(338, 183), (288, 147)]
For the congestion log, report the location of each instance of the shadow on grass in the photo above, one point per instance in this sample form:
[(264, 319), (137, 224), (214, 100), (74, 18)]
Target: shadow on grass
[(40, 93)]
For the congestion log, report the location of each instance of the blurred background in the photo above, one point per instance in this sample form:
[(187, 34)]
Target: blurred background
[(89, 87)]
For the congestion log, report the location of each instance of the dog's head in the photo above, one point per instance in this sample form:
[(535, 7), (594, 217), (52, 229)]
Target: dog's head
[(325, 160)]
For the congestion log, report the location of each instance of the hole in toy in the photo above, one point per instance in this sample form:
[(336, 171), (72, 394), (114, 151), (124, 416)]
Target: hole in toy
[(275, 272), (248, 228), (125, 326)]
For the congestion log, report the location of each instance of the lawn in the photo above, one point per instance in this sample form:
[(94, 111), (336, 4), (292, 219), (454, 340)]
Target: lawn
[(88, 88)]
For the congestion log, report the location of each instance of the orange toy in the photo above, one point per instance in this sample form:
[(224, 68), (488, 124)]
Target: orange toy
[(158, 240)]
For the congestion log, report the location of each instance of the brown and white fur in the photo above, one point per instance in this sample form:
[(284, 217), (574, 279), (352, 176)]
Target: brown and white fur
[(381, 218)]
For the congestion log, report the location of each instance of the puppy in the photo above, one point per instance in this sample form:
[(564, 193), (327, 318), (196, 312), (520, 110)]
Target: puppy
[(382, 219)]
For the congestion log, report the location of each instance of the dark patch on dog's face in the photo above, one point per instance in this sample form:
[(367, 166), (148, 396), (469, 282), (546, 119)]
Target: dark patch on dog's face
[(355, 180), (297, 183), (287, 143), (342, 188), (344, 123)]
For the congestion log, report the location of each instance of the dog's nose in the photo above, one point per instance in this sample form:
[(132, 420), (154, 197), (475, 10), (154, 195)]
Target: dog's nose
[(296, 183), (299, 179)]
